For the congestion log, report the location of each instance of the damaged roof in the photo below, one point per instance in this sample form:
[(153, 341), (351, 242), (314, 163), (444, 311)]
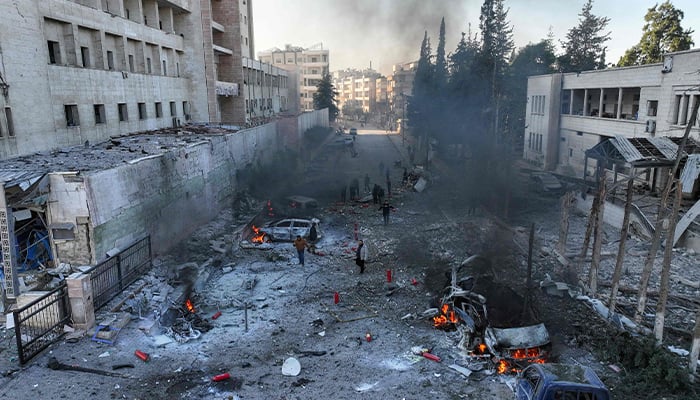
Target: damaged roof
[(641, 152)]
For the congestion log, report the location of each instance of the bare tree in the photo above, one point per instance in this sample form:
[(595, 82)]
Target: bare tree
[(666, 268), (621, 249), (597, 237)]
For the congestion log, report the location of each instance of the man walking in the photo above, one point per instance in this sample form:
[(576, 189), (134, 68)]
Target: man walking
[(361, 255), (301, 245), (386, 210)]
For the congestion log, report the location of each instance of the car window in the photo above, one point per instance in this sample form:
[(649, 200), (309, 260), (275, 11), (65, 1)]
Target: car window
[(283, 224), (565, 395), (302, 224)]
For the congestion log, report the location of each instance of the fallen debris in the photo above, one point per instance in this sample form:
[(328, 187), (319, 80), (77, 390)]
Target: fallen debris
[(55, 365)]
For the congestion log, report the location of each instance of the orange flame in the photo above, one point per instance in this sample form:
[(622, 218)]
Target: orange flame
[(446, 317), (189, 306), (258, 237), (502, 366)]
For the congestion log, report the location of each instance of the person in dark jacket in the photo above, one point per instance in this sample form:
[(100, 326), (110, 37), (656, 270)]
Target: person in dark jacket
[(386, 210), (375, 193), (361, 255)]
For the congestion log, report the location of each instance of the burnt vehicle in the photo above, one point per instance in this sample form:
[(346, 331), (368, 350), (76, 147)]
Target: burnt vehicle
[(485, 331), (546, 183), (559, 382), (287, 229)]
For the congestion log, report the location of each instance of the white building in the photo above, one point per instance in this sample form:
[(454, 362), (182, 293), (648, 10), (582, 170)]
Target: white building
[(568, 114), (310, 63)]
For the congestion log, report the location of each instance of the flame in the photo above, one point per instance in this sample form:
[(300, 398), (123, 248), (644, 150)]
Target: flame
[(190, 306), (532, 355), (258, 237), (526, 353), (502, 366), (446, 317)]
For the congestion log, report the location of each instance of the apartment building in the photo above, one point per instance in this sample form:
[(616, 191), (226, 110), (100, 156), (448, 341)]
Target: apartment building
[(80, 71), (400, 88), (569, 114), (357, 89), (311, 64)]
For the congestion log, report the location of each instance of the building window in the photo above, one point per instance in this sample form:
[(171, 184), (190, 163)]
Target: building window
[(652, 105), (10, 124), (571, 153), (99, 114), (165, 68), (177, 69), (142, 111), (72, 118), (131, 63), (173, 109), (123, 112), (110, 60), (85, 56), (148, 65), (186, 110), (159, 110), (54, 52)]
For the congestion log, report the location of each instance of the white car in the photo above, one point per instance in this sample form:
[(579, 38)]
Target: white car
[(287, 229)]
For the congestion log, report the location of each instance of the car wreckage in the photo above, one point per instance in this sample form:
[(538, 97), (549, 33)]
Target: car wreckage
[(463, 309)]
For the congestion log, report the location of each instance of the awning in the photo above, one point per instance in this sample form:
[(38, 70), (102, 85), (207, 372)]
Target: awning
[(640, 152)]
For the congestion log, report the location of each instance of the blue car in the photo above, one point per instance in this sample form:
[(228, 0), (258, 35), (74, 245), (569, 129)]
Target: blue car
[(559, 382)]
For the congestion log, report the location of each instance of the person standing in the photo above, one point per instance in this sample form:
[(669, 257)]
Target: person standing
[(361, 255), (301, 245), (375, 194), (386, 210), (313, 237), (405, 177), (388, 187)]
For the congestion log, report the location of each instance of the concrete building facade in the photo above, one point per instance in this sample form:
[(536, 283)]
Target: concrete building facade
[(93, 69), (570, 113), (312, 64), (358, 89)]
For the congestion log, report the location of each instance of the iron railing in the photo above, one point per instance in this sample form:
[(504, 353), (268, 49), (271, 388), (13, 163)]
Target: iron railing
[(40, 323), (112, 276)]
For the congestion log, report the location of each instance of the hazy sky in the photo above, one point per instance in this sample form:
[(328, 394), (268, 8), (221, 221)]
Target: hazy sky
[(387, 32)]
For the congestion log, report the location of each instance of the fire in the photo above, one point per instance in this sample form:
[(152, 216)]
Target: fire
[(526, 353), (258, 237), (190, 306), (502, 366), (446, 317), (532, 355)]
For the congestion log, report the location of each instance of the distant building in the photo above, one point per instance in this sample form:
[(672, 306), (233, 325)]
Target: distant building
[(312, 63), (400, 88), (357, 89), (568, 114), (77, 71)]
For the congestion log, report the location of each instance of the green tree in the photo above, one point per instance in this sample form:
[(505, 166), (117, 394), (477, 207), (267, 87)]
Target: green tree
[(584, 48), (419, 104), (662, 33), (441, 60), (325, 97)]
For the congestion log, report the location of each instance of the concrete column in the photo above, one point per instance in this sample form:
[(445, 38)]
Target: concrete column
[(571, 102), (81, 300), (618, 112), (585, 102), (682, 112), (600, 102)]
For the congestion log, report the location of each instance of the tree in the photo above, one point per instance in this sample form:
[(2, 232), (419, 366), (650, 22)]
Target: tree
[(584, 48), (420, 103), (441, 60), (325, 97), (662, 33)]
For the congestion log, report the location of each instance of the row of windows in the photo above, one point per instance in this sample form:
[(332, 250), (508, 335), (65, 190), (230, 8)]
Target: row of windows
[(151, 12), (301, 59), (72, 112), (537, 106), (534, 141)]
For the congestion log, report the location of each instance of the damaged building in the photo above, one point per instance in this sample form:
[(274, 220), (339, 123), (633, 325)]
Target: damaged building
[(626, 121)]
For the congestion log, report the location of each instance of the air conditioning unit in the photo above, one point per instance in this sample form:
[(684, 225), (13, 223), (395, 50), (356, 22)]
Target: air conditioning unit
[(651, 126)]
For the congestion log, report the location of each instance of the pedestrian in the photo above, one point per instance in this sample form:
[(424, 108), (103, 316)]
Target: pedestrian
[(361, 255), (367, 183), (386, 210), (404, 180), (388, 187), (375, 193), (313, 237), (301, 245), (380, 195), (343, 193)]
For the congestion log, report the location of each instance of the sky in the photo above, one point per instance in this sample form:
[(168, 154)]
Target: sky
[(381, 33)]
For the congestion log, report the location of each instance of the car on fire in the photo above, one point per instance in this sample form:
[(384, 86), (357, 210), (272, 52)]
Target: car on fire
[(287, 229), (559, 382)]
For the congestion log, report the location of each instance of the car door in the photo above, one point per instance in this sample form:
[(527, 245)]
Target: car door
[(301, 227), (283, 230)]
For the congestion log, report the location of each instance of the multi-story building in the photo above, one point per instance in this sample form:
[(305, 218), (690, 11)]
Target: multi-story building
[(77, 71), (568, 114), (312, 64), (358, 89), (400, 88)]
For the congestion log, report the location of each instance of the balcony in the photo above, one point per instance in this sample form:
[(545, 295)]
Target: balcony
[(226, 89), (222, 50), (217, 27)]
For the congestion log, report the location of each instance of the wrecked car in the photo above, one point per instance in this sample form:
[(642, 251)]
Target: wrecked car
[(287, 229), (546, 182), (559, 382)]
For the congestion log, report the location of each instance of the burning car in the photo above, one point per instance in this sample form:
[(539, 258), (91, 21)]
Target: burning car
[(510, 348), (286, 229)]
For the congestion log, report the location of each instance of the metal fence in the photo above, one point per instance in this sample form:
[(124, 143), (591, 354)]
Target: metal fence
[(40, 323), (112, 276)]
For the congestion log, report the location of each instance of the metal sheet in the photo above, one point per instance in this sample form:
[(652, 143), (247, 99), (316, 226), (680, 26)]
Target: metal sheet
[(521, 337), (690, 173), (665, 146), (626, 149)]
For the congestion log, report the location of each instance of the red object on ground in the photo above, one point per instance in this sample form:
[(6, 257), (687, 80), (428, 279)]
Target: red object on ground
[(368, 337), (336, 298), (355, 230), (221, 377), (140, 354), (414, 282), (431, 356), (388, 275), (217, 315)]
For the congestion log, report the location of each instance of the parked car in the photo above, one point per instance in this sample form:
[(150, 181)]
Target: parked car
[(287, 229), (559, 382), (353, 131), (546, 182)]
